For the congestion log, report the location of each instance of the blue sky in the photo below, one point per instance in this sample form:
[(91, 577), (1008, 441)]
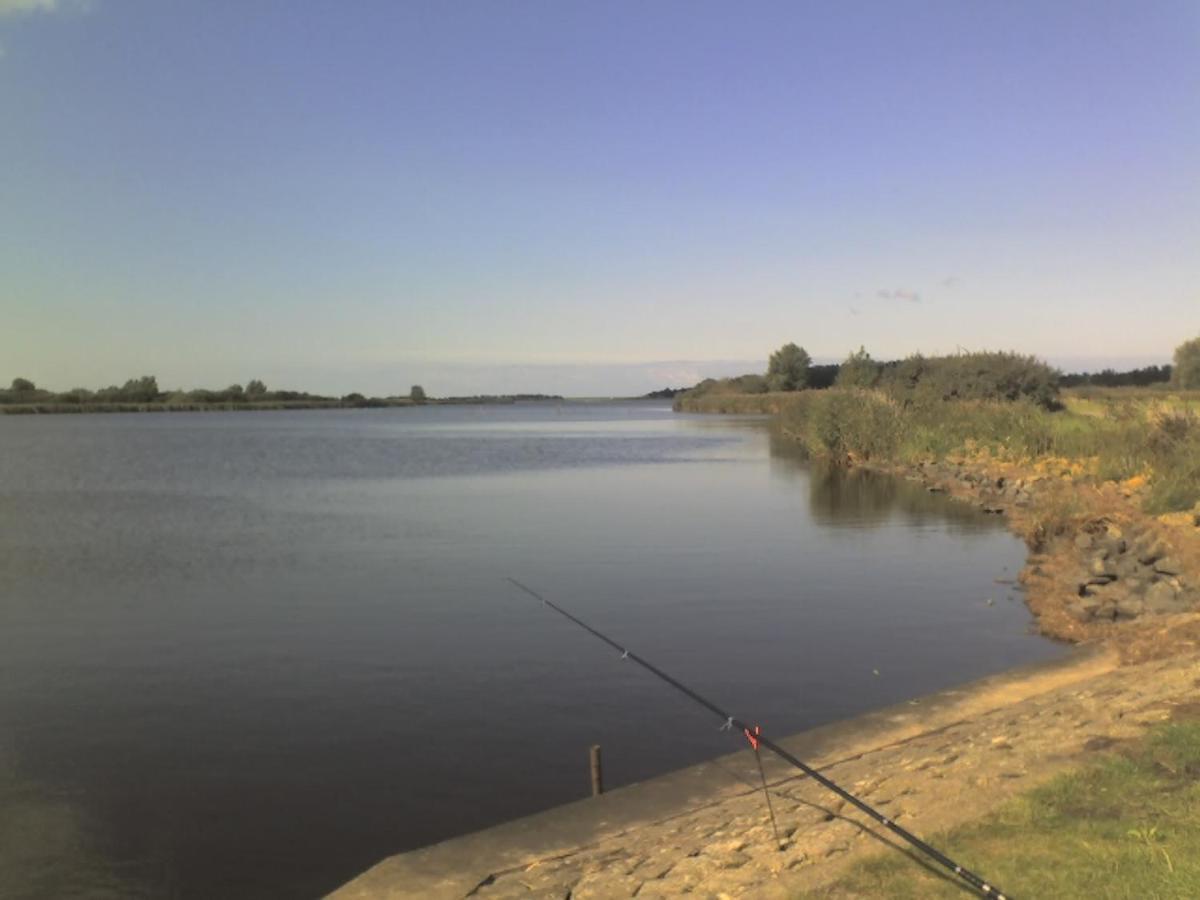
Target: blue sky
[(588, 197)]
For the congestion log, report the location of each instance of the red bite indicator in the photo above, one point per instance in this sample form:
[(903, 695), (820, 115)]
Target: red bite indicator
[(752, 738)]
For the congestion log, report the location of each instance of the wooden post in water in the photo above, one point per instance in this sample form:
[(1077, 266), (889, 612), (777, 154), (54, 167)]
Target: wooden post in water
[(597, 772)]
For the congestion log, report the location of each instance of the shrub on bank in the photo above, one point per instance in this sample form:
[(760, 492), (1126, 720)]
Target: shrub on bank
[(1129, 440), (1173, 456), (991, 376), (918, 379), (858, 371), (847, 422), (741, 384)]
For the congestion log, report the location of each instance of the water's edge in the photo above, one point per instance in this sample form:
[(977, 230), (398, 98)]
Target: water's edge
[(458, 867)]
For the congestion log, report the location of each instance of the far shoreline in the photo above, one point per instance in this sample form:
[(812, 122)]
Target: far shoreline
[(35, 409)]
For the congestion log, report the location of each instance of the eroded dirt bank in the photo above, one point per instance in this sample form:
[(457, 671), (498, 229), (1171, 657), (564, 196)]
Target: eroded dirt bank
[(1099, 569)]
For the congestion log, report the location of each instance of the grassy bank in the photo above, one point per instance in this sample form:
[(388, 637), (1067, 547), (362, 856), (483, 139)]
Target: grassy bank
[(1126, 827), (1139, 436)]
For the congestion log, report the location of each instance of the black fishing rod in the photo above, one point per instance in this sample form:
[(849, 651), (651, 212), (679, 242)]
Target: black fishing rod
[(755, 736)]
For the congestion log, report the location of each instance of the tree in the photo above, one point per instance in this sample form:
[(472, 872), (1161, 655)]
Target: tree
[(1187, 364), (22, 386), (787, 369), (140, 390), (417, 394), (859, 370), (255, 389)]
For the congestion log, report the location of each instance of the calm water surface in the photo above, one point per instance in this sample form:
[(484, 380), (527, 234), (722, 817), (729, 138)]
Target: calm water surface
[(250, 654)]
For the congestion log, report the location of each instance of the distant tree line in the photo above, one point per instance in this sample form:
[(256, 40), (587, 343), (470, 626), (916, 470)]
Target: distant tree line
[(982, 375), (144, 390), (973, 376), (500, 398), (1112, 378), (136, 390), (144, 393)]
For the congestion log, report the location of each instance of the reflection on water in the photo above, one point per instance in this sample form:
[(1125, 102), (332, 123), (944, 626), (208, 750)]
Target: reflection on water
[(45, 848), (857, 498), (248, 655)]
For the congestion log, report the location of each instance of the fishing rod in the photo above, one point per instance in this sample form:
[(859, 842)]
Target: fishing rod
[(755, 736)]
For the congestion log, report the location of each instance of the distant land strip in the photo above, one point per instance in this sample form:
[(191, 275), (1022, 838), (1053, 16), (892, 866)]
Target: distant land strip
[(142, 394)]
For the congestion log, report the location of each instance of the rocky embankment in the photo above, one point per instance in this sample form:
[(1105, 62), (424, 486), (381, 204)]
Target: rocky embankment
[(1099, 567), (1096, 560), (1124, 579)]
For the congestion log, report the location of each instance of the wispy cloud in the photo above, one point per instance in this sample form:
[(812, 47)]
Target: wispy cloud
[(899, 294), (951, 281), (25, 7), (15, 7)]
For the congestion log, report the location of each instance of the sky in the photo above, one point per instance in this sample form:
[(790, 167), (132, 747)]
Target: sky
[(588, 198)]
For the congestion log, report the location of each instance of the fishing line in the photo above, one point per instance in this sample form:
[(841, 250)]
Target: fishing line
[(762, 774), (730, 722)]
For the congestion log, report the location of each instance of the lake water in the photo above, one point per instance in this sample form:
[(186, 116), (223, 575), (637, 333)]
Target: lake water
[(250, 654)]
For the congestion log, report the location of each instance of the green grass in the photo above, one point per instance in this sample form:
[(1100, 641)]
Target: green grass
[(1126, 827), (1120, 437), (730, 403)]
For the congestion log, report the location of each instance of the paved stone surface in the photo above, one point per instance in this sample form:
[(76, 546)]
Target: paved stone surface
[(926, 784), (929, 770)]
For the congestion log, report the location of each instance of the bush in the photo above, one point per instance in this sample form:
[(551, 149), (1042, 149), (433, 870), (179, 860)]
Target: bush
[(740, 384), (841, 423), (1173, 457), (858, 371), (973, 376), (748, 384), (136, 390), (1187, 364)]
